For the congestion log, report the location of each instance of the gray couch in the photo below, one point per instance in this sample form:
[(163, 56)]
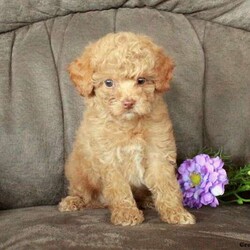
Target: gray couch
[(40, 110)]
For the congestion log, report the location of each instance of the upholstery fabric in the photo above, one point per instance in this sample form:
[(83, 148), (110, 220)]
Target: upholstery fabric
[(40, 110), (45, 228)]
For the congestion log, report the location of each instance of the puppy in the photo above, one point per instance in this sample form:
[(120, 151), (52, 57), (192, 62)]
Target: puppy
[(125, 147)]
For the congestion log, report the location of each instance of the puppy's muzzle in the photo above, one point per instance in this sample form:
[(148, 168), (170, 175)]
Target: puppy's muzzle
[(128, 103)]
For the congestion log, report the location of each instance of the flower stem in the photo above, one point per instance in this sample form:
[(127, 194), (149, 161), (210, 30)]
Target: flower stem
[(242, 199)]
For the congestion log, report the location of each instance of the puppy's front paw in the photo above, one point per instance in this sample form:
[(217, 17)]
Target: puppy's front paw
[(126, 216), (178, 216), (71, 203)]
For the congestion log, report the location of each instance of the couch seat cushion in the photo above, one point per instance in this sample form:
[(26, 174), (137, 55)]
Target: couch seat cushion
[(226, 227)]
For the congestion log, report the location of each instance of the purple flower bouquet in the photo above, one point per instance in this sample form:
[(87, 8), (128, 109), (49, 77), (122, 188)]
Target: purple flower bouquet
[(202, 179)]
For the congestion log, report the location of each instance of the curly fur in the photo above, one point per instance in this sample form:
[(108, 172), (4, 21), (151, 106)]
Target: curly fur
[(121, 155)]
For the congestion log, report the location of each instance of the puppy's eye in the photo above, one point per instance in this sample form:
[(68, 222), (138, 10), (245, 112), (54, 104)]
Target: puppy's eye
[(141, 80), (109, 83)]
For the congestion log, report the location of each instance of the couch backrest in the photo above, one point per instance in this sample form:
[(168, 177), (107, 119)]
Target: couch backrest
[(40, 110)]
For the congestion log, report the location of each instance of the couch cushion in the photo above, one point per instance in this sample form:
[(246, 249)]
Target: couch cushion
[(46, 228), (17, 13)]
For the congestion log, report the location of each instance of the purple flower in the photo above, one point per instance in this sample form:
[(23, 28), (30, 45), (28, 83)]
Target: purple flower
[(202, 179)]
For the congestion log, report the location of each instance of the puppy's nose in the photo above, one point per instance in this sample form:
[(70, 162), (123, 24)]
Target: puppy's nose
[(128, 103)]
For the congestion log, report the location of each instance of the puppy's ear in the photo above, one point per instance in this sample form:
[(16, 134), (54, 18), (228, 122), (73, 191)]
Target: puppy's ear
[(81, 72), (164, 72)]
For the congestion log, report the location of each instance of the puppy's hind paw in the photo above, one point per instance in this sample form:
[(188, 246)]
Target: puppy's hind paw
[(71, 203)]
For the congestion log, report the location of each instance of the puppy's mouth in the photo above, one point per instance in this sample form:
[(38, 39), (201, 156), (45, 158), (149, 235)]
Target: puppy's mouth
[(129, 114), (118, 110)]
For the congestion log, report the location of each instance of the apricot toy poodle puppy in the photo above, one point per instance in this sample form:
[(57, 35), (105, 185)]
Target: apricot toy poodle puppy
[(125, 147)]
